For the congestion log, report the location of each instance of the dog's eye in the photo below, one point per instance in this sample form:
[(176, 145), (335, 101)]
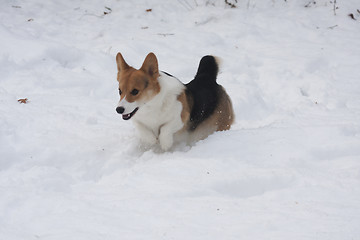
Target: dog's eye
[(134, 92), (120, 91)]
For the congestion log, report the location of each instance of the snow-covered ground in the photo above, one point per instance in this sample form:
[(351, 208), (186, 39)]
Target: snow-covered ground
[(71, 168)]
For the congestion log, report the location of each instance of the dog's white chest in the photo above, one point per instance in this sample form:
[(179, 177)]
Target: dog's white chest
[(161, 116), (159, 112)]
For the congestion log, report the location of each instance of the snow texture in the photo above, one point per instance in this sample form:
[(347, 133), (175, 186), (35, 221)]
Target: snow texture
[(71, 168)]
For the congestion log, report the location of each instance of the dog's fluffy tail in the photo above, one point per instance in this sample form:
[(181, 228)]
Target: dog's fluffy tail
[(203, 91), (208, 70)]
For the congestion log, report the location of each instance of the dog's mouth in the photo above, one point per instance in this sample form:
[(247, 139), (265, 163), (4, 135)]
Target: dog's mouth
[(129, 115)]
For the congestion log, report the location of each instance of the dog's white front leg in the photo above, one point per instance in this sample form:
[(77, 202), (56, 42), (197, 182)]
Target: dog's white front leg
[(146, 135), (166, 137), (167, 132)]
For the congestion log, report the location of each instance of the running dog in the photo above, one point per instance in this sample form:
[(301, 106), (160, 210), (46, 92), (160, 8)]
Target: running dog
[(165, 110)]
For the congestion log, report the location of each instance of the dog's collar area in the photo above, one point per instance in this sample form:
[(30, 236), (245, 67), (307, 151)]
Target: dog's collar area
[(129, 115)]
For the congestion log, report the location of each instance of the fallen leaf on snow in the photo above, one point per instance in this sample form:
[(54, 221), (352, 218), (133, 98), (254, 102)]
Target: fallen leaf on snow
[(352, 16), (23, 100)]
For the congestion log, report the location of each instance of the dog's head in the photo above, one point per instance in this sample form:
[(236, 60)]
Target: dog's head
[(136, 87)]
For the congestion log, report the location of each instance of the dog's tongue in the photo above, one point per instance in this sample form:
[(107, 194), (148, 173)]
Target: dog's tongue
[(129, 115), (126, 116)]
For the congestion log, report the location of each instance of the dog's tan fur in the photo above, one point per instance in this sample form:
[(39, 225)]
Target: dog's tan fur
[(185, 113), (130, 78), (220, 120)]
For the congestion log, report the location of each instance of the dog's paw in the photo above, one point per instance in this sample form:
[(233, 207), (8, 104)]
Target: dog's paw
[(165, 146), (166, 142), (148, 139)]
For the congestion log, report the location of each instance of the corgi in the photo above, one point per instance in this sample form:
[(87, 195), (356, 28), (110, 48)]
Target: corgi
[(164, 110)]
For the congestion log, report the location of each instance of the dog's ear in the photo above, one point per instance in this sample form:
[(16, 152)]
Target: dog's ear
[(121, 64), (150, 65)]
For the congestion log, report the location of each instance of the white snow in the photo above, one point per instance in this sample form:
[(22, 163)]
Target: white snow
[(71, 168)]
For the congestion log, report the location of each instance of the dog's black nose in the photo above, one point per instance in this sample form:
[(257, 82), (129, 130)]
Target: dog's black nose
[(120, 110)]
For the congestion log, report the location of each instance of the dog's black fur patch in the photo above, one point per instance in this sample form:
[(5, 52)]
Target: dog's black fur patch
[(203, 90)]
